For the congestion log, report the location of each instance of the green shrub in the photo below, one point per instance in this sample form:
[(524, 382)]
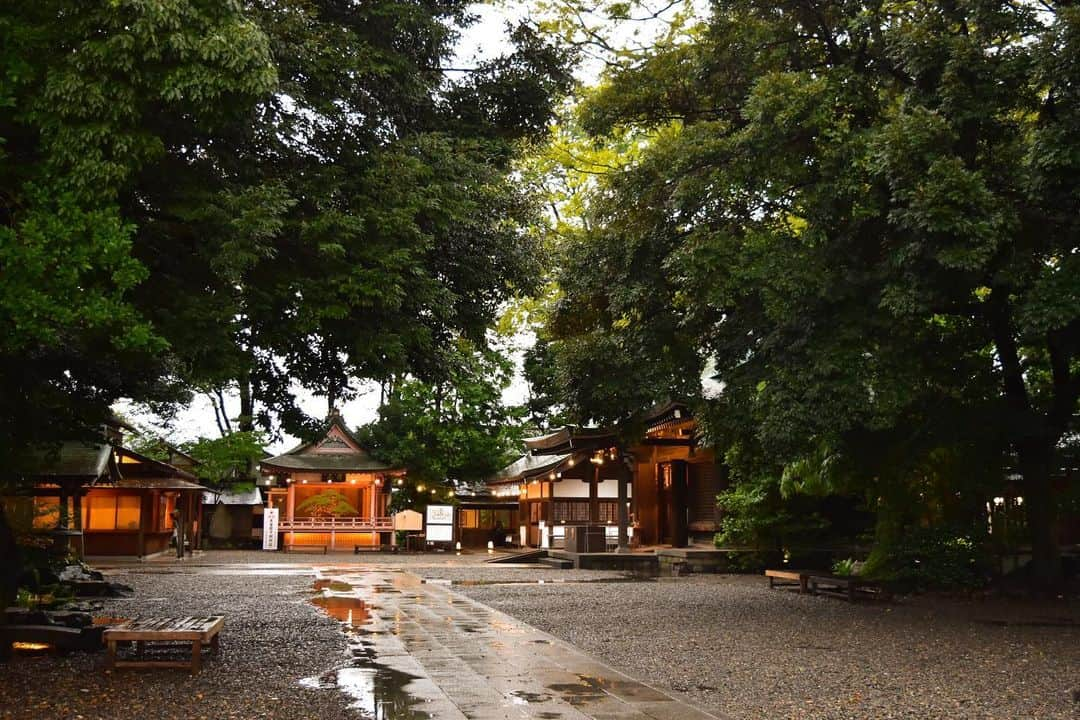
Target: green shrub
[(844, 568), (930, 559)]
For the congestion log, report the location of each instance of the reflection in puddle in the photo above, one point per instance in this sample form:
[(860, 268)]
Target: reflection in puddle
[(377, 692), (547, 581), (521, 697), (346, 608)]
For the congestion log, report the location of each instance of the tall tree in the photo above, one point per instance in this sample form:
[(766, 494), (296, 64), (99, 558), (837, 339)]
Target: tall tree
[(456, 431), (359, 218), (87, 91), (865, 214)]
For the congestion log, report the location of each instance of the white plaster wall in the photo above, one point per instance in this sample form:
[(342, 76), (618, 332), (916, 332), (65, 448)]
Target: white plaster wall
[(574, 488)]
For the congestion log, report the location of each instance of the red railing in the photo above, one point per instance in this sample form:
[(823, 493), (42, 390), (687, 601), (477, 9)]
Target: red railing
[(346, 524)]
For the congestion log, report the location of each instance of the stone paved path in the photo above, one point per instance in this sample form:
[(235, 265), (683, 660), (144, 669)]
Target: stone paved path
[(456, 658)]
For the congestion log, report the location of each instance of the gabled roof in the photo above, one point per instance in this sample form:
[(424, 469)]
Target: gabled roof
[(666, 412), (143, 466), (570, 438), (337, 450), (85, 461), (527, 466), (157, 483)]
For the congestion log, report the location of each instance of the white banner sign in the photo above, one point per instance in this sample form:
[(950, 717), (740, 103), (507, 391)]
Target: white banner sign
[(440, 533), (270, 522), (440, 514)]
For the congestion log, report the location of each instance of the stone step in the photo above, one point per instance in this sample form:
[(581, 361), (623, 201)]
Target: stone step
[(557, 563)]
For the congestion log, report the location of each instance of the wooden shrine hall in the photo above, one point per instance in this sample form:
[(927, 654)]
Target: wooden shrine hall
[(660, 490), (331, 492)]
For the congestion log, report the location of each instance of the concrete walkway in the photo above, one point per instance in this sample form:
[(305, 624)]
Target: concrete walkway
[(429, 650)]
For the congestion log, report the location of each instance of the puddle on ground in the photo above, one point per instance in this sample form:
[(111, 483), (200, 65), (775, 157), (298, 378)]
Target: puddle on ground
[(546, 581), (348, 609), (521, 697), (332, 585), (377, 692)]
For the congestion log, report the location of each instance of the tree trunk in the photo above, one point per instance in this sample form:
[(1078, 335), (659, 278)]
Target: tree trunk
[(1035, 465), (9, 574), (246, 421)]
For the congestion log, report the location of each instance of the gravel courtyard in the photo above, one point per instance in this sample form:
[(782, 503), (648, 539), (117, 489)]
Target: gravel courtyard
[(726, 643), (742, 650), (272, 637)]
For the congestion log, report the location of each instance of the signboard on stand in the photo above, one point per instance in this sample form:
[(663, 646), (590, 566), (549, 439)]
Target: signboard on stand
[(270, 526), (440, 523)]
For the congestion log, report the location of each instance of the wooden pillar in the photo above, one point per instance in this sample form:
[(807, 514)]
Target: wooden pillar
[(62, 514), (594, 496), (624, 476), (77, 512), (677, 505), (290, 507), (523, 519), (180, 520), (548, 510), (144, 518)]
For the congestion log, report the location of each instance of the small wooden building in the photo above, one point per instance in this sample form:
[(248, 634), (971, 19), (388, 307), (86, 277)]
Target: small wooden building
[(331, 491), (109, 500), (483, 517), (571, 477)]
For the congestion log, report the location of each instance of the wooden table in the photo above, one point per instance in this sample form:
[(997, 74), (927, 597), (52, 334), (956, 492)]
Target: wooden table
[(198, 631)]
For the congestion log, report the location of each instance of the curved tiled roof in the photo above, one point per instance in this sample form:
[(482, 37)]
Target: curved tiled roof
[(528, 466), (352, 462), (304, 458)]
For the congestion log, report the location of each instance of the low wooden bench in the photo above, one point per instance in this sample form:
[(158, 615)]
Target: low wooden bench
[(198, 631), (798, 577), (846, 586), (294, 548)]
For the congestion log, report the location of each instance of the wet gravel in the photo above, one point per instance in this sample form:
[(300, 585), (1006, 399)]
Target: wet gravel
[(744, 651), (272, 638), (727, 643)]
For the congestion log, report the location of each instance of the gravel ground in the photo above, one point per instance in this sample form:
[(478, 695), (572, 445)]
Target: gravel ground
[(727, 643), (272, 638), (744, 651)]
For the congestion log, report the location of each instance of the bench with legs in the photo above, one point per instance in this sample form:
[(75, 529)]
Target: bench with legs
[(790, 577), (198, 631), (849, 587)]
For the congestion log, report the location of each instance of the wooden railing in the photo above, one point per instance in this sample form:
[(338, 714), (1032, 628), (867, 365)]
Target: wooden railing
[(347, 524)]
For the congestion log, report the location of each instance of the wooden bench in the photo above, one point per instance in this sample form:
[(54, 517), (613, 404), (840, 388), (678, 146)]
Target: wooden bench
[(294, 548), (198, 631), (798, 577), (846, 586)]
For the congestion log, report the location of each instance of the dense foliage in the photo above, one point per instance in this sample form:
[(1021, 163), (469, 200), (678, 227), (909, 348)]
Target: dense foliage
[(245, 196), (448, 434), (862, 218), (251, 196)]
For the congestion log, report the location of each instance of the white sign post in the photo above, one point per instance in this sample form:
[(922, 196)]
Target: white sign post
[(440, 523), (270, 524)]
